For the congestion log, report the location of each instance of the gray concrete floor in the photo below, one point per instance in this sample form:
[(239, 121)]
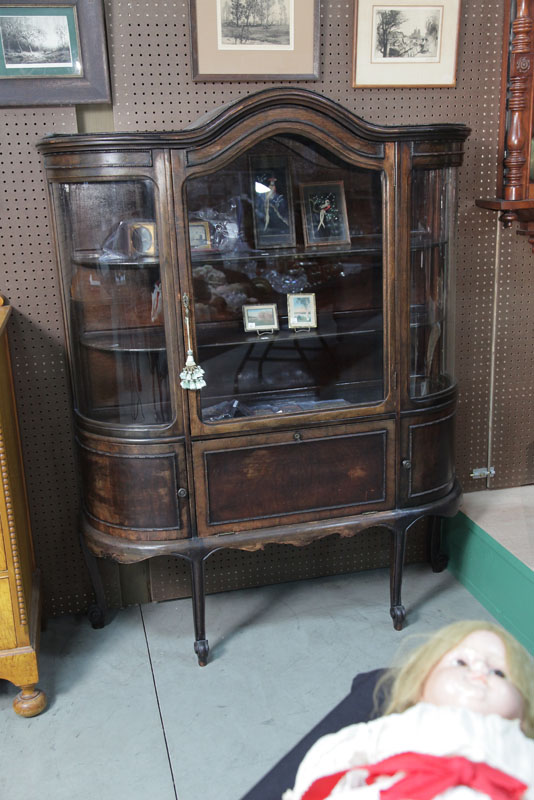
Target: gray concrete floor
[(131, 716)]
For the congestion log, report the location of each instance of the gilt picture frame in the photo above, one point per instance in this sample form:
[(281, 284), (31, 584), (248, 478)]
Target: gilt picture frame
[(405, 43), (260, 318), (280, 41), (301, 311), (53, 53)]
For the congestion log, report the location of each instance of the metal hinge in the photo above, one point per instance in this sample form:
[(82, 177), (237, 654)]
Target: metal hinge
[(483, 472)]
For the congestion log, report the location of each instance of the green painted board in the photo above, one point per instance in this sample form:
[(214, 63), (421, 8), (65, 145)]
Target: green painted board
[(498, 580)]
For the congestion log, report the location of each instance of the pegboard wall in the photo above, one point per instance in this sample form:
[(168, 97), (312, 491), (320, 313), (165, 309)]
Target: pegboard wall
[(150, 62)]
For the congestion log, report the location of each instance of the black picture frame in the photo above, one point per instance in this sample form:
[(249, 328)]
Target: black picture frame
[(84, 80), (272, 202), (324, 214)]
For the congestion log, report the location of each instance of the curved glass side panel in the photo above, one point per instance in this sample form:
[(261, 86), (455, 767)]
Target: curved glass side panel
[(431, 301), (287, 259), (111, 279)]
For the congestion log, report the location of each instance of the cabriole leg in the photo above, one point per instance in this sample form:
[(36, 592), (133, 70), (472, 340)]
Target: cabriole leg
[(398, 547), (97, 611), (199, 613), (438, 559)]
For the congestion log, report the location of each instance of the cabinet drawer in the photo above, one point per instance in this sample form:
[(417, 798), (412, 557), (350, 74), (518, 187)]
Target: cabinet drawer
[(294, 476), (132, 492)]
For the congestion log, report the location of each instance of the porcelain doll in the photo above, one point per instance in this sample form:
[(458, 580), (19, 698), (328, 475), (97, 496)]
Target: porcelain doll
[(459, 723)]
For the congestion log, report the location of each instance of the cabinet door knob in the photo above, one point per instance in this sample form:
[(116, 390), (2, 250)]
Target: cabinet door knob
[(406, 463), (182, 492), (297, 436)]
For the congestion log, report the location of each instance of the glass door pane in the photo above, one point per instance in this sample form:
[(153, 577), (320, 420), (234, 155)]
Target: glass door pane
[(287, 262), (109, 253), (431, 307)]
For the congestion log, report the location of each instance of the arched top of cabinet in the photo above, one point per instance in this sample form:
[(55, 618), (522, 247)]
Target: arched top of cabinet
[(288, 105)]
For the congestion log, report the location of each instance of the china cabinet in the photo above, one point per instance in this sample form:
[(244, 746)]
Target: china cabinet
[(515, 184), (19, 579), (259, 330)]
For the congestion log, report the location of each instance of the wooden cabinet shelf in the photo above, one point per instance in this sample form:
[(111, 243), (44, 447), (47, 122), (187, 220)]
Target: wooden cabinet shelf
[(240, 438), (133, 340)]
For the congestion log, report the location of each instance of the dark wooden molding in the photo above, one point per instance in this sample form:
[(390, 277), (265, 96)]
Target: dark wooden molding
[(515, 203)]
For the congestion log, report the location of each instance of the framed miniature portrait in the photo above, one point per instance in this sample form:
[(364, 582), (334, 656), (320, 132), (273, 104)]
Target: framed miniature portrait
[(199, 236), (324, 213), (260, 318), (142, 238), (272, 202), (405, 43), (301, 311)]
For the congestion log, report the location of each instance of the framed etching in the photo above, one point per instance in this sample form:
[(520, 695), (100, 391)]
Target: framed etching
[(272, 202), (53, 53), (260, 318), (301, 311), (405, 43), (324, 213), (273, 40)]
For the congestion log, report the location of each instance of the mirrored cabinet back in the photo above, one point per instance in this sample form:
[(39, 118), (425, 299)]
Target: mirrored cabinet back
[(259, 330)]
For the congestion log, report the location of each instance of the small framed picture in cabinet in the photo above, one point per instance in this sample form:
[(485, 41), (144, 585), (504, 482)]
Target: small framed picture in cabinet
[(260, 318), (301, 312), (324, 213), (199, 236), (272, 202), (142, 238)]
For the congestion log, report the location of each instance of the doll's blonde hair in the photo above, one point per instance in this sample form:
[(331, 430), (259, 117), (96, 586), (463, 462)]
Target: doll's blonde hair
[(404, 686)]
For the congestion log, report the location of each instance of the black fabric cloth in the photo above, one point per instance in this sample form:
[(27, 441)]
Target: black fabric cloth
[(355, 707)]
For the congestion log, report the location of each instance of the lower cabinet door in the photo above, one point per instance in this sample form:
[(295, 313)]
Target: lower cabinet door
[(427, 455), (248, 482), (135, 492)]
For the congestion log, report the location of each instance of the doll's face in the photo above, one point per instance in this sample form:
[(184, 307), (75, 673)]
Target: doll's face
[(474, 675)]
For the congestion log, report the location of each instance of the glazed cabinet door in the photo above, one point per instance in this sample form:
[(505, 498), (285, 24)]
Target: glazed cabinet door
[(111, 248), (428, 306), (289, 279)]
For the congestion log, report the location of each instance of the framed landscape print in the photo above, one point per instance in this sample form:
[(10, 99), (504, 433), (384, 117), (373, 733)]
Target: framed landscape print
[(260, 318), (53, 53), (324, 213), (405, 43), (272, 202), (301, 311), (273, 40)]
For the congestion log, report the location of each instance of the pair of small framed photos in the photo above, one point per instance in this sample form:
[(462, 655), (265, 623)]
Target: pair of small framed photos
[(301, 314)]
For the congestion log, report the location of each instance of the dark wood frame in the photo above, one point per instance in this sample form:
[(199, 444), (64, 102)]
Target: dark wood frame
[(310, 241), (197, 75), (515, 189), (279, 167), (92, 87)]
